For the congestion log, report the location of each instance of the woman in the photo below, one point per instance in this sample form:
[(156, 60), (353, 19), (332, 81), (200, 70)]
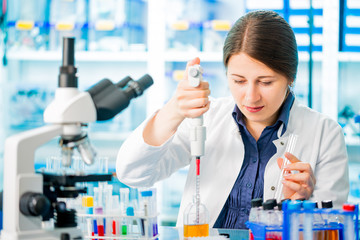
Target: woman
[(246, 133)]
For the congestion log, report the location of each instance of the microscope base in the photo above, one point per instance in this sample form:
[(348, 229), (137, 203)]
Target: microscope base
[(51, 234)]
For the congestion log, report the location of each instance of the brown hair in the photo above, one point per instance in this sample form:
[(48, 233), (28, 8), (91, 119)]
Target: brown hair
[(266, 37)]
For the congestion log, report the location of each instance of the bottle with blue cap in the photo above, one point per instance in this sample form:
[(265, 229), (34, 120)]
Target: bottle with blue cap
[(149, 210), (133, 225)]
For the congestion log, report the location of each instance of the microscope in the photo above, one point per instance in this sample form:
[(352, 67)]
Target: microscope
[(30, 198)]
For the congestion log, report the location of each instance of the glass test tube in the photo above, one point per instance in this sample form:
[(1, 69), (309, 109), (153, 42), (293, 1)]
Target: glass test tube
[(290, 147)]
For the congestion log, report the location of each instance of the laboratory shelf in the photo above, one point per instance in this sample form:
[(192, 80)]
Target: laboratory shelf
[(82, 56), (174, 56), (316, 56), (349, 56)]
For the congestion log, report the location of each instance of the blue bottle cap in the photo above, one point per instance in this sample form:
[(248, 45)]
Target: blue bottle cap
[(294, 205), (130, 211), (89, 210), (309, 205), (146, 193)]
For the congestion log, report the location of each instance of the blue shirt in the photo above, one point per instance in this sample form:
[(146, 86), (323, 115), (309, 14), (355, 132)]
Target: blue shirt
[(250, 181)]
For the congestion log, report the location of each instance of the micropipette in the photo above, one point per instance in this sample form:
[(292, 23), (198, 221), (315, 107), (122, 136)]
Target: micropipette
[(290, 147), (197, 134)]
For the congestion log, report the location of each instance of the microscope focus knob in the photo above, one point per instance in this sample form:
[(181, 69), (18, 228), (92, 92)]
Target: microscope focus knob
[(34, 204)]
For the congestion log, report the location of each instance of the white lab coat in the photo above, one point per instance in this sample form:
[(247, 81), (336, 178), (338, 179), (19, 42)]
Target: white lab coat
[(320, 143)]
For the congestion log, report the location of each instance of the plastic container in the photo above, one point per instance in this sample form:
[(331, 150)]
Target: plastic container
[(122, 219), (261, 230), (28, 26), (68, 19), (107, 23)]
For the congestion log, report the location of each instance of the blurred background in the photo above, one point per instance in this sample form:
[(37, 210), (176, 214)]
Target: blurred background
[(116, 38)]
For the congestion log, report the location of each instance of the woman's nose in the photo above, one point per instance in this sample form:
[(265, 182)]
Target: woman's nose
[(252, 94)]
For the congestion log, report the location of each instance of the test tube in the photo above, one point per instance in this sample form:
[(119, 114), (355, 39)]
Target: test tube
[(124, 199), (154, 211), (349, 227), (124, 203), (290, 147), (117, 211), (294, 219), (100, 222), (146, 201), (309, 206)]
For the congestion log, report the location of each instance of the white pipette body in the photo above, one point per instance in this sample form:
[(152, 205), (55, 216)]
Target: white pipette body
[(198, 131)]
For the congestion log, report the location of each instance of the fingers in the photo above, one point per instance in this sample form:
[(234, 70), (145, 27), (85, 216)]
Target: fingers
[(303, 182), (196, 112), (301, 190), (280, 162), (192, 101), (184, 85), (291, 157), (191, 63), (301, 178)]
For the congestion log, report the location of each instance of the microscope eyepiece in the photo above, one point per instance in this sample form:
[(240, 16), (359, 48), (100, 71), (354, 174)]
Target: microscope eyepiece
[(110, 99), (68, 71), (145, 82), (68, 51)]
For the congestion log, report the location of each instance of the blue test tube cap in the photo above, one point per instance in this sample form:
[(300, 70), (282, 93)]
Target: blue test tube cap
[(294, 205), (89, 210), (130, 211), (146, 193), (309, 205)]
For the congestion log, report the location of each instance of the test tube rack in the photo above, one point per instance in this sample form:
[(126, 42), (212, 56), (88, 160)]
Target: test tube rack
[(259, 230), (146, 227)]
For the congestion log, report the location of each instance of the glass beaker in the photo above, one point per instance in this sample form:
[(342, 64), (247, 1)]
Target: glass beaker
[(196, 220)]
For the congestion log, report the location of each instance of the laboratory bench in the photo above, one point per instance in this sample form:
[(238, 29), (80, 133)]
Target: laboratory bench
[(172, 233)]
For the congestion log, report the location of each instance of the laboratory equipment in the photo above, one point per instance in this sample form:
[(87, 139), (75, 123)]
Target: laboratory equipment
[(308, 219), (292, 226), (135, 223), (290, 147), (29, 197), (196, 225)]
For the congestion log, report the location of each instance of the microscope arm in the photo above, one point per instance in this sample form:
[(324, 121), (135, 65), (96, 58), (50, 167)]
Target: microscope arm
[(20, 177)]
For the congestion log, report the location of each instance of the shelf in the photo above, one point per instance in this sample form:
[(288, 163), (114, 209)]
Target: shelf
[(82, 56), (349, 56), (170, 56), (304, 56), (175, 56)]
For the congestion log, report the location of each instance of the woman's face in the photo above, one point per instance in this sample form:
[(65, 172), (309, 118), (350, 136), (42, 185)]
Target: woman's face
[(258, 91)]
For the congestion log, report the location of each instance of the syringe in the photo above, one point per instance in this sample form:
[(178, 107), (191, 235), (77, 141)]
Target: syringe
[(290, 149), (197, 134)]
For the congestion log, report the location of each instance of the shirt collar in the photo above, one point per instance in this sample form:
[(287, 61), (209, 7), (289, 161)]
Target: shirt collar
[(283, 117)]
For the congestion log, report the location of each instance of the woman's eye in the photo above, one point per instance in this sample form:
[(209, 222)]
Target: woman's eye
[(266, 83), (239, 81)]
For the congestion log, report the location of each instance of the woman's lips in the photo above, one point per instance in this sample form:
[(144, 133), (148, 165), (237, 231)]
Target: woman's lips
[(254, 109)]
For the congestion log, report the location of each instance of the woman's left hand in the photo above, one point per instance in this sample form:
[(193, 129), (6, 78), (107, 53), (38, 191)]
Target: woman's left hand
[(298, 185)]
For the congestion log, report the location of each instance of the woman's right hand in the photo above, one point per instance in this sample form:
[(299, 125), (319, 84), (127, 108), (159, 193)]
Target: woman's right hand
[(187, 102), (191, 102)]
